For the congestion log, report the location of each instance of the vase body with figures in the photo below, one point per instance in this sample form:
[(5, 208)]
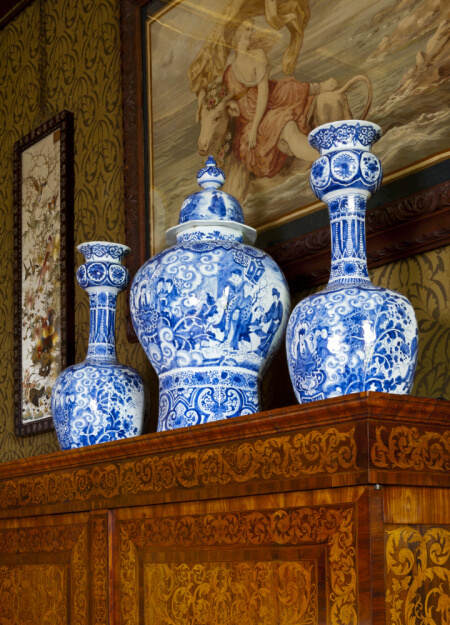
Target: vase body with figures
[(352, 336), (99, 400), (210, 311)]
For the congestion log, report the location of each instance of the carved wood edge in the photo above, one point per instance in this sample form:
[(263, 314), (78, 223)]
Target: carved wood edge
[(321, 414), (412, 225), (10, 9), (365, 447), (133, 140)]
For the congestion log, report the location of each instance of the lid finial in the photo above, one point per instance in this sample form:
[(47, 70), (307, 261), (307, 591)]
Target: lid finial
[(210, 176)]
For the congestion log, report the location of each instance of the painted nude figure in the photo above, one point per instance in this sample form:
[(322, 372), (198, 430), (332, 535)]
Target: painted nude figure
[(267, 111), (250, 123)]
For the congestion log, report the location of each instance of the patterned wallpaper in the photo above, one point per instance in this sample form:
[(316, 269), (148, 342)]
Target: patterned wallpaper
[(83, 75), (425, 280)]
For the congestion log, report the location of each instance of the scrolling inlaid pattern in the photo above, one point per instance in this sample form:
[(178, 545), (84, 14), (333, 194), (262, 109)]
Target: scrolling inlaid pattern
[(406, 448), (33, 594), (285, 457), (100, 570), (233, 593), (325, 525), (100, 481), (47, 540), (418, 576), (291, 456)]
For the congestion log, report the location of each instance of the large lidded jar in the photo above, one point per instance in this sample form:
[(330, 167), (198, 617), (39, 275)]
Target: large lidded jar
[(352, 336), (210, 311)]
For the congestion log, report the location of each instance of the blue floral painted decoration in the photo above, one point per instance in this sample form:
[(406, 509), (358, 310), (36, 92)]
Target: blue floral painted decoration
[(211, 203), (352, 336), (344, 135), (99, 400), (210, 311)]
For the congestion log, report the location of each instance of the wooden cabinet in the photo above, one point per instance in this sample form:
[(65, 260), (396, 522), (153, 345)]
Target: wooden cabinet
[(285, 558), (53, 569), (336, 512)]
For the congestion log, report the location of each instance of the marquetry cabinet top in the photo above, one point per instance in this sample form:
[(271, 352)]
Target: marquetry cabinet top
[(366, 438)]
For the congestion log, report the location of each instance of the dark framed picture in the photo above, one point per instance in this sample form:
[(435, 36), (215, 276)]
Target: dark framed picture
[(43, 258), (193, 72)]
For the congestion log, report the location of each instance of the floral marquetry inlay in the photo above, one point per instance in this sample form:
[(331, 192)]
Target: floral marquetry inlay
[(39, 593), (287, 457), (325, 526), (418, 576), (298, 455), (100, 570), (406, 448), (231, 593), (33, 594), (76, 485)]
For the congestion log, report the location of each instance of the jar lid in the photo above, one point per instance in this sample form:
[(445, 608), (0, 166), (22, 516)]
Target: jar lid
[(211, 206), (211, 203)]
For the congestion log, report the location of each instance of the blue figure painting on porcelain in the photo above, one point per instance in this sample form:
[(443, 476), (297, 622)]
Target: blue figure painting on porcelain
[(99, 400), (209, 311), (352, 336)]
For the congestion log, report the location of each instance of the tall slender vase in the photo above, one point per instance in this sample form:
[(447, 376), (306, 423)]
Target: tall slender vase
[(352, 336), (99, 400)]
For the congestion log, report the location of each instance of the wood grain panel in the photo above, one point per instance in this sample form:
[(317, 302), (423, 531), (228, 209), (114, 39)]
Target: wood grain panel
[(376, 538), (416, 506), (54, 570), (179, 544)]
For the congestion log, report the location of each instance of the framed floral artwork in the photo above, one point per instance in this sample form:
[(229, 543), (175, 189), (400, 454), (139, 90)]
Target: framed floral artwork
[(43, 259)]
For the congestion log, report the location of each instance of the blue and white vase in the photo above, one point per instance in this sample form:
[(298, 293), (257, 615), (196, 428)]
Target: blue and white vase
[(99, 400), (210, 312), (352, 336)]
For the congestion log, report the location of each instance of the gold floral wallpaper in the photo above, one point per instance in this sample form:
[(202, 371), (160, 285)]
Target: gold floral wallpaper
[(425, 280), (82, 50)]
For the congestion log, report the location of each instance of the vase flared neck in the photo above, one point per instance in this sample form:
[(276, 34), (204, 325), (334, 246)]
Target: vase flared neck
[(344, 177), (347, 214), (102, 341), (103, 277)]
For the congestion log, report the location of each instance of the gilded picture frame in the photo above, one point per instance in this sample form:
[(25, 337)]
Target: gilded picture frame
[(43, 263), (172, 51)]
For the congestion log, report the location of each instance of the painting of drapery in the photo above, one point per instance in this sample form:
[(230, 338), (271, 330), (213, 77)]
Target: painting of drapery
[(246, 81)]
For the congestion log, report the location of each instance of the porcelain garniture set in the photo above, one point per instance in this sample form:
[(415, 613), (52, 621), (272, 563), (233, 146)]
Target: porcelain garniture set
[(211, 311)]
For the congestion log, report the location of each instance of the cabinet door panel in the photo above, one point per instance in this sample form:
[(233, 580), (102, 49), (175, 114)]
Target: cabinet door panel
[(53, 570), (252, 561), (417, 555)]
